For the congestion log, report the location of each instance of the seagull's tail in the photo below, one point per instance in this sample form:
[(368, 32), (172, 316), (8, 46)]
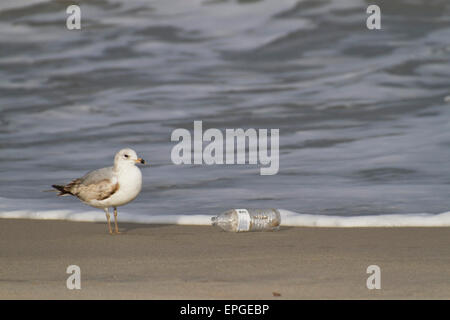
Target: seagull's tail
[(62, 190)]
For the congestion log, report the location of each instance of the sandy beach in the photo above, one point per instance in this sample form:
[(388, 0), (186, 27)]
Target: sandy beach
[(201, 262)]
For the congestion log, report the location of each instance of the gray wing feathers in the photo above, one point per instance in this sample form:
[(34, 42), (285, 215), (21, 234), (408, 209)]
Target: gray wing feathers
[(97, 175), (95, 185)]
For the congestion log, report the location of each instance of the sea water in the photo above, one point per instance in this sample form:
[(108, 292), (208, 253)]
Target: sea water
[(363, 115)]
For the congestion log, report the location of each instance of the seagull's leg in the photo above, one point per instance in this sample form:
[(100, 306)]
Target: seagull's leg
[(116, 228), (109, 220)]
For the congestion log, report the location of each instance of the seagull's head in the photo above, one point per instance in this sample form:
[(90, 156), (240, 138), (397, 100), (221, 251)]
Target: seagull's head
[(127, 157)]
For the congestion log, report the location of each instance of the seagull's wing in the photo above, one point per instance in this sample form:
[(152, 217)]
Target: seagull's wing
[(95, 185), (96, 176)]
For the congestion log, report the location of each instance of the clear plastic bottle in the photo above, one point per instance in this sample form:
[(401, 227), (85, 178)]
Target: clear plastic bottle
[(242, 220)]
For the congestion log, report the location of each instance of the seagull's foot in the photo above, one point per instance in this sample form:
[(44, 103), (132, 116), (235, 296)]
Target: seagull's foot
[(117, 232)]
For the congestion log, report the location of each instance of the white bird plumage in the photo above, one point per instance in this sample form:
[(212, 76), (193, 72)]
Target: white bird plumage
[(108, 187)]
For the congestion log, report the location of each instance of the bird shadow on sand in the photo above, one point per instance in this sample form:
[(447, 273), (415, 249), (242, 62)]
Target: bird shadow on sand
[(127, 227)]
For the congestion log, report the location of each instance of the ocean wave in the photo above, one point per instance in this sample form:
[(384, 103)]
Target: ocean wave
[(288, 218)]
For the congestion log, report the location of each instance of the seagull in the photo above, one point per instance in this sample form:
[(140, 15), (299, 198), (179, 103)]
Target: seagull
[(108, 187)]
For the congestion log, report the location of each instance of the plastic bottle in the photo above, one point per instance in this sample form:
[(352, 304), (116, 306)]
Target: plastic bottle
[(242, 220)]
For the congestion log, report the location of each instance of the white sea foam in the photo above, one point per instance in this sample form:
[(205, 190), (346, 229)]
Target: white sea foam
[(99, 216), (288, 218)]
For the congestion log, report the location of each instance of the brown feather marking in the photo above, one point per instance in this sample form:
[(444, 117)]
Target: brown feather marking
[(100, 190), (70, 187), (107, 194)]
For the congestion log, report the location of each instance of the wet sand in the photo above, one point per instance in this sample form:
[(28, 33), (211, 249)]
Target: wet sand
[(201, 262)]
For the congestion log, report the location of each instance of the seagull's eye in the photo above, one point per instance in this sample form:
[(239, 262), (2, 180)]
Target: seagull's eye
[(125, 155)]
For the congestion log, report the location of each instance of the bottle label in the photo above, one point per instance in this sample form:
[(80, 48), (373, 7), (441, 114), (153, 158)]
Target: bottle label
[(243, 220)]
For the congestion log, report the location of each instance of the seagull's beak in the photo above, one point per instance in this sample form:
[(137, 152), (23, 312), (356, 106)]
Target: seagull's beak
[(140, 160)]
